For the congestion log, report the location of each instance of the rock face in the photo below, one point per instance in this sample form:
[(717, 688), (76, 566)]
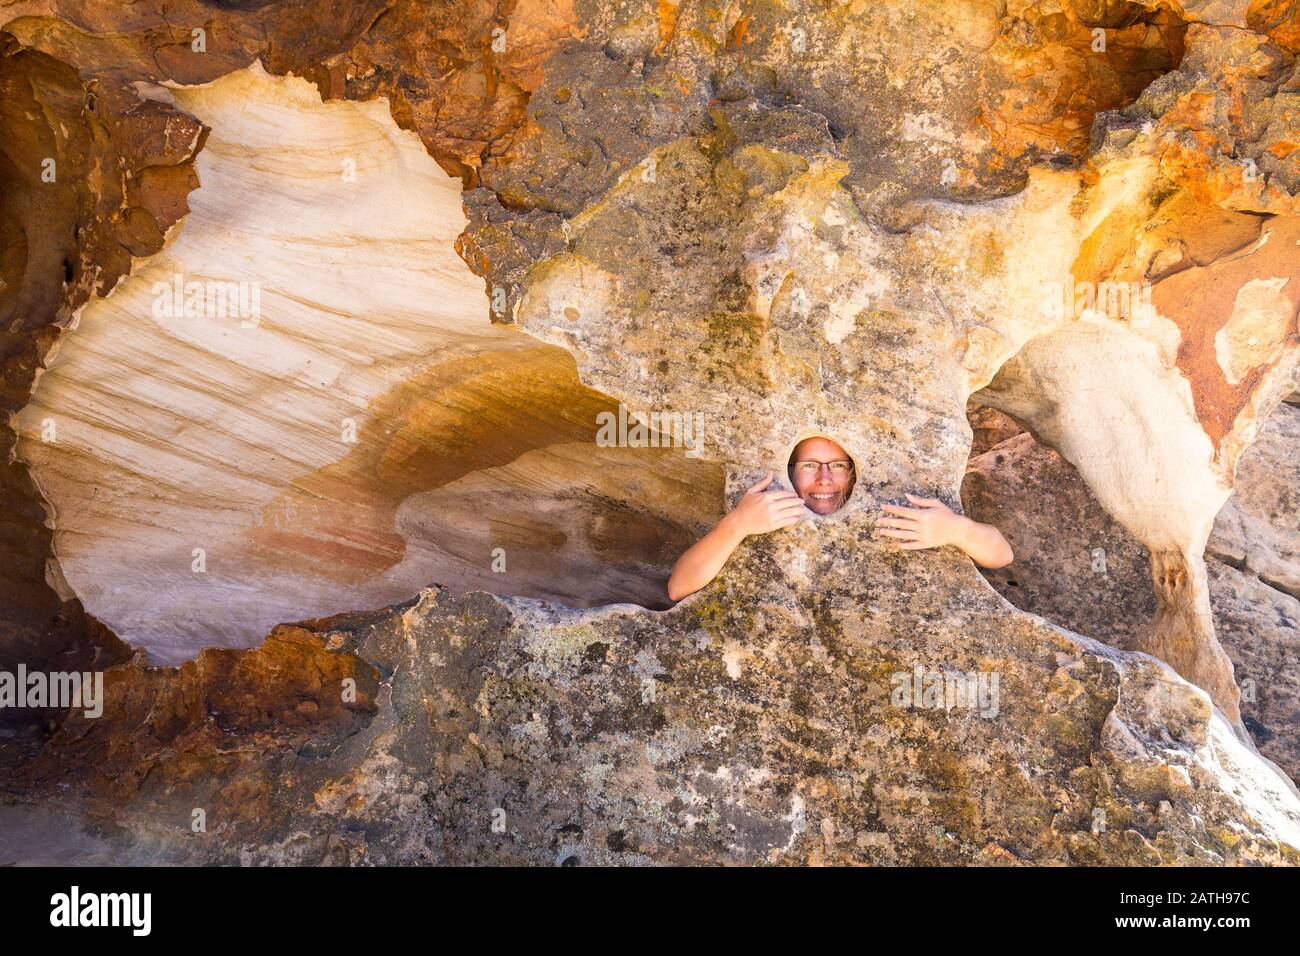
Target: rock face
[(288, 416), (1258, 530), (757, 722), (1078, 567), (1084, 215)]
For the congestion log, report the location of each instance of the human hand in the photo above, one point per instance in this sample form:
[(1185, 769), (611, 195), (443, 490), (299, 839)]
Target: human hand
[(760, 511), (931, 524)]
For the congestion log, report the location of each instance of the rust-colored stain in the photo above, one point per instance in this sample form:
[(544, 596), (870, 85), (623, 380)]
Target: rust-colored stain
[(456, 417), (738, 35), (669, 10), (1280, 19), (1200, 292), (1052, 90), (1200, 300)]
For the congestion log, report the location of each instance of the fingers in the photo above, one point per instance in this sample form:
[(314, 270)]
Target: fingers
[(789, 510), (905, 534), (775, 504), (761, 483), (907, 524), (924, 502), (900, 510), (785, 519), (782, 495)]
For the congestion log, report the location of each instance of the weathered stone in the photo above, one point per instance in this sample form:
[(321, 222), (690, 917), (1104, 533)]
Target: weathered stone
[(843, 219), (1079, 568), (295, 427), (756, 722)]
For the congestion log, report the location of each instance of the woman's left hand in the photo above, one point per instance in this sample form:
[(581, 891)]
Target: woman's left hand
[(931, 524)]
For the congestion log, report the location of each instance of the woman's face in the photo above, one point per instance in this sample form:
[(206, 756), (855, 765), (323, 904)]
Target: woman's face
[(826, 488)]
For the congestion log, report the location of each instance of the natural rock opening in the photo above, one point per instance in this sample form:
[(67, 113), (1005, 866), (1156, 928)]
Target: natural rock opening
[(1079, 567), (343, 428), (696, 208)]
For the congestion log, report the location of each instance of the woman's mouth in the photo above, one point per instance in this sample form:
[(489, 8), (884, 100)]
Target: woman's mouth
[(828, 496)]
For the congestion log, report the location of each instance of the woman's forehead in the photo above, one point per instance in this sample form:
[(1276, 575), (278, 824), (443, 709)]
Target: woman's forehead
[(819, 446)]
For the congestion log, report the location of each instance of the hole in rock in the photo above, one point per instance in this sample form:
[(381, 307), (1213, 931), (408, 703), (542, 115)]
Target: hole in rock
[(1077, 566), (1053, 522), (299, 406)]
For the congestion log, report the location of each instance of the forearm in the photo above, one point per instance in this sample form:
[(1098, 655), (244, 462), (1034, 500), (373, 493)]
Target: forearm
[(984, 544), (701, 563)]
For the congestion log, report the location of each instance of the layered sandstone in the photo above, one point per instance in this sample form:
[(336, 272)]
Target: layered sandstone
[(283, 448), (848, 219)]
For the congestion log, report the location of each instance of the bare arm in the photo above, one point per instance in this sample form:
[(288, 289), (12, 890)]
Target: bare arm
[(932, 524), (701, 562), (757, 512)]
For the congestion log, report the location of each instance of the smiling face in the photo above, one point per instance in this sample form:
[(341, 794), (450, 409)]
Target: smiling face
[(825, 488)]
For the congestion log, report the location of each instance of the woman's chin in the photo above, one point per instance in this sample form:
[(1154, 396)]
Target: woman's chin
[(820, 506)]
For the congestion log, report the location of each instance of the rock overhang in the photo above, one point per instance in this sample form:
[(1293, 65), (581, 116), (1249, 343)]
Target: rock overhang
[(914, 414)]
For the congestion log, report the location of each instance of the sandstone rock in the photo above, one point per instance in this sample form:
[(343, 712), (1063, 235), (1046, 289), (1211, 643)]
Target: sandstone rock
[(1079, 568), (989, 427), (841, 220), (87, 181), (294, 428), (1258, 530), (756, 722), (1260, 629), (1075, 564)]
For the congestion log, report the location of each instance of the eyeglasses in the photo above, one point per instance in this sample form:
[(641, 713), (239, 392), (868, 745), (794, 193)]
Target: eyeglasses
[(810, 467)]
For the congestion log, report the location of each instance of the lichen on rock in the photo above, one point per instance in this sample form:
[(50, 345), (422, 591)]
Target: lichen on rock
[(848, 220)]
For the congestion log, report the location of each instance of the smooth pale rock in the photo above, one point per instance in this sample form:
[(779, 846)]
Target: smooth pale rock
[(191, 425), (284, 443)]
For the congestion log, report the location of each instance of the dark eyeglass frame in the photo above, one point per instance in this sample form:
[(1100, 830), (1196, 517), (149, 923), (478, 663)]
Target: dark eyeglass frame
[(848, 465)]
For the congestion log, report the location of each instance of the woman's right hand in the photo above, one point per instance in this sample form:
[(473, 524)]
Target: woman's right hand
[(757, 512), (760, 511)]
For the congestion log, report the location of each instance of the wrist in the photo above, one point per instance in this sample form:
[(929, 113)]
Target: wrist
[(732, 527), (965, 533)]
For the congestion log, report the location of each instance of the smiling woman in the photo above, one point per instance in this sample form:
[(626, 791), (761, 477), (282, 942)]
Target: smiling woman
[(822, 474)]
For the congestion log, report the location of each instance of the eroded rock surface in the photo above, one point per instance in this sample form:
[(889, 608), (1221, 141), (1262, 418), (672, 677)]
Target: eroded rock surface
[(841, 219), (1079, 568), (295, 433), (753, 723)]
